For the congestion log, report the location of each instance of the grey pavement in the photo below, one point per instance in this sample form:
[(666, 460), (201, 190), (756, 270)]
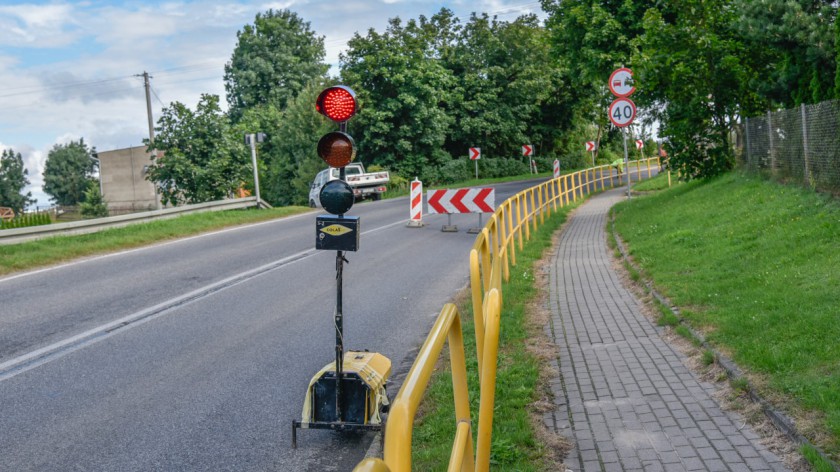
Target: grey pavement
[(624, 396)]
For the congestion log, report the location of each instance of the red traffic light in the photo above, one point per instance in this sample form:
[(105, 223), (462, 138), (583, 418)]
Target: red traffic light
[(337, 149), (337, 103)]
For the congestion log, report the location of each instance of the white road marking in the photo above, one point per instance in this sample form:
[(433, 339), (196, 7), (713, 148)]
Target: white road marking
[(46, 354)]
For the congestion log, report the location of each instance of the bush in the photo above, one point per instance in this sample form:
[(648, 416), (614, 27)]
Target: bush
[(26, 220), (94, 205), (456, 170)]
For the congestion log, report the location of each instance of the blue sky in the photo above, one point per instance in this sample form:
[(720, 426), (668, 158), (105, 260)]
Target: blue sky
[(70, 69)]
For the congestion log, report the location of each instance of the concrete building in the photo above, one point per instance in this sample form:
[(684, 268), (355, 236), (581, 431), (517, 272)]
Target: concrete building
[(122, 173)]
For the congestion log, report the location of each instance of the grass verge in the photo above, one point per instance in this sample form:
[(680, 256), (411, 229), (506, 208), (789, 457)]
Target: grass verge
[(659, 182), (753, 265), (516, 445), (52, 250)]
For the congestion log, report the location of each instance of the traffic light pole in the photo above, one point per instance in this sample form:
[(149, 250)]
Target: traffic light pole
[(339, 314)]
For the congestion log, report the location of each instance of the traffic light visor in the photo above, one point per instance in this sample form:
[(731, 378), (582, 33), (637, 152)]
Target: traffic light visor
[(337, 103), (337, 149)]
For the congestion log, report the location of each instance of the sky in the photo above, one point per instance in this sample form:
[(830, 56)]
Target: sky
[(73, 70)]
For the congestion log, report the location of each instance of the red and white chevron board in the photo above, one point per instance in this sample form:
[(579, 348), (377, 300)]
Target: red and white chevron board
[(475, 154), (416, 210), (465, 200), (527, 150)]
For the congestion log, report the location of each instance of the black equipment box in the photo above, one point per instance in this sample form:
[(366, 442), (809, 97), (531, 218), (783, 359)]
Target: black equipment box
[(337, 233), (355, 398)]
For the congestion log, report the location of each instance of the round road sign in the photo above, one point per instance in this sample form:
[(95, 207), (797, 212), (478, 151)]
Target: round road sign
[(622, 112), (621, 82)]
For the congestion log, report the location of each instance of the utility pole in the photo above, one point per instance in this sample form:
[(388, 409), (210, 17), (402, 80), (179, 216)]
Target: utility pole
[(151, 125), (149, 107)]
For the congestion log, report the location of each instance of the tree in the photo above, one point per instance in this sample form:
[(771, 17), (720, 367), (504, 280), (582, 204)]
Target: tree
[(13, 179), (590, 39), (94, 205), (203, 159), (402, 124), (790, 44), (272, 62), (288, 157), (68, 171), (506, 79), (690, 67)]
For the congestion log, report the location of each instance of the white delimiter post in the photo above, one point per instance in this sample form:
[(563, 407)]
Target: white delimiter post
[(415, 202)]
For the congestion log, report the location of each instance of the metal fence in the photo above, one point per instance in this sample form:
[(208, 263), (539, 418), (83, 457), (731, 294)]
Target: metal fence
[(797, 145)]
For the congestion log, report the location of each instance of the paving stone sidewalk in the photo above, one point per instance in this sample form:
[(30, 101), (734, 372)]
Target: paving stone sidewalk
[(624, 396)]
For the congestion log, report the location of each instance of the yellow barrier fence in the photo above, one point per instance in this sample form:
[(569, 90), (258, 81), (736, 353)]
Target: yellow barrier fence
[(492, 254)]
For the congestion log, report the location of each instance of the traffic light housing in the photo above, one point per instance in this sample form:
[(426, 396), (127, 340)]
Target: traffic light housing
[(336, 197), (337, 103), (337, 149)]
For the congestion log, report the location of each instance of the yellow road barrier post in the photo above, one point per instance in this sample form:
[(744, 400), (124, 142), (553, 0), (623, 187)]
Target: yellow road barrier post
[(487, 397), (399, 431)]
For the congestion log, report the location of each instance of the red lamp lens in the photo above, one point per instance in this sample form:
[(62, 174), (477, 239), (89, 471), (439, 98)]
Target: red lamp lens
[(337, 149), (337, 103)]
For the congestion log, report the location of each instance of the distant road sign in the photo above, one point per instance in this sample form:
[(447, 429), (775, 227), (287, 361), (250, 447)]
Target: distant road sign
[(621, 82), (640, 144), (527, 150), (475, 154), (590, 146), (622, 112)]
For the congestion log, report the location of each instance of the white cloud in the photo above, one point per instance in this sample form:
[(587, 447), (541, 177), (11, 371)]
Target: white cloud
[(37, 25), (101, 47)]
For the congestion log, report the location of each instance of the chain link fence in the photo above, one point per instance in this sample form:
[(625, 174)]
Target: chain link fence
[(797, 145)]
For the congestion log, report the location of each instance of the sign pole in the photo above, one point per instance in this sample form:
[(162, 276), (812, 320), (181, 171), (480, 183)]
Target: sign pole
[(476, 169), (626, 160)]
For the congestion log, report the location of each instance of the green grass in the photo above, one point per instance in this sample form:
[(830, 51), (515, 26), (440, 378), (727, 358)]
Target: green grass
[(756, 266), (514, 446), (52, 250), (659, 182)]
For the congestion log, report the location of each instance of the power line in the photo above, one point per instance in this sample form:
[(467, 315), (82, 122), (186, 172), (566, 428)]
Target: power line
[(156, 96), (44, 88)]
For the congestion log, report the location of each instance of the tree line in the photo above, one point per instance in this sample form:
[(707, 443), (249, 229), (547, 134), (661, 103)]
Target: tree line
[(431, 87), (68, 177)]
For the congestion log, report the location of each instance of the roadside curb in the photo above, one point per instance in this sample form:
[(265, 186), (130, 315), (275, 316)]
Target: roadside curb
[(779, 419)]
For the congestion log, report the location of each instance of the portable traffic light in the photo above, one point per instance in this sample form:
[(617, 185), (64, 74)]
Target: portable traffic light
[(348, 394), (337, 148)]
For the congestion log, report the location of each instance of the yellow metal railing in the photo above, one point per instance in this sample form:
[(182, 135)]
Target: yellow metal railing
[(492, 254)]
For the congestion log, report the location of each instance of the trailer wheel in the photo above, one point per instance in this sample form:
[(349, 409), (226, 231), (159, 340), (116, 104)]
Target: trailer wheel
[(377, 197)]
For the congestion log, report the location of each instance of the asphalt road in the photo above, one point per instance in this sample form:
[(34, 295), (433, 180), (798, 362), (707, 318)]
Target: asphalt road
[(196, 354)]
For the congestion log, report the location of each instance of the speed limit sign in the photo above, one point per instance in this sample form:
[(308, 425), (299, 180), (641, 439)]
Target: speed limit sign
[(622, 112)]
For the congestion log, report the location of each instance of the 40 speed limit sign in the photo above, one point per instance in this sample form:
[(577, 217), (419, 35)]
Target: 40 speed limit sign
[(622, 112)]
